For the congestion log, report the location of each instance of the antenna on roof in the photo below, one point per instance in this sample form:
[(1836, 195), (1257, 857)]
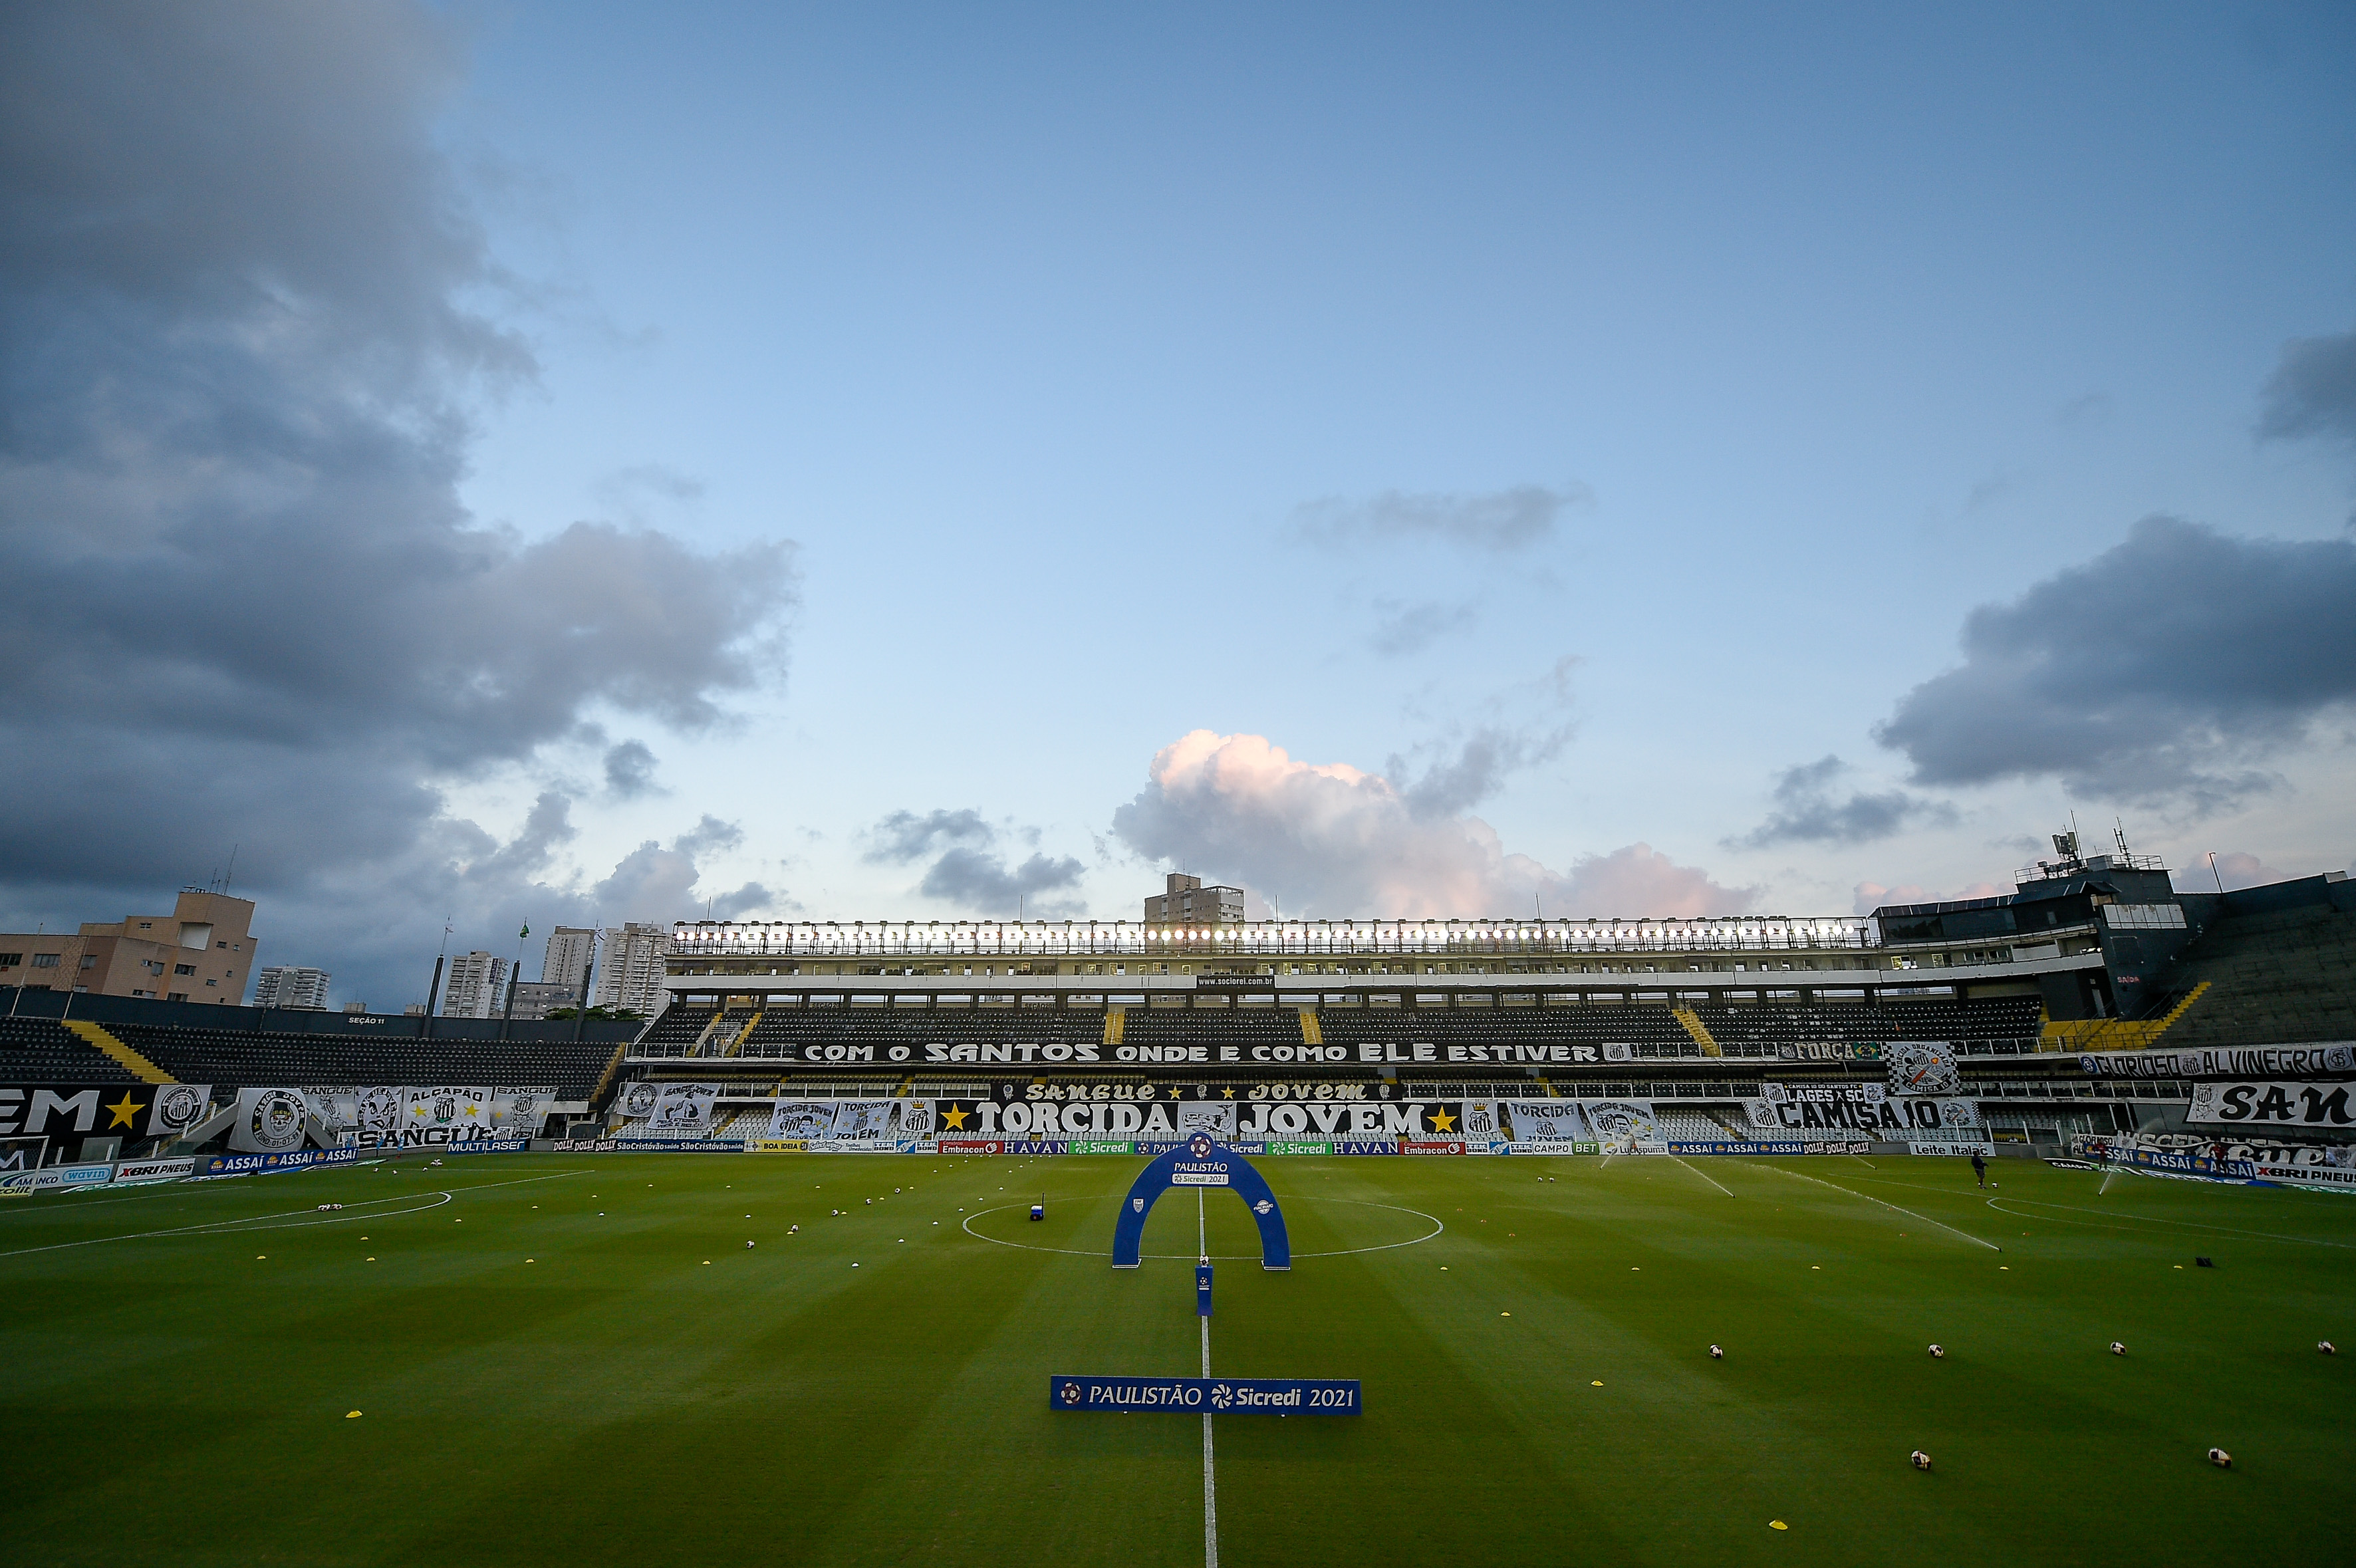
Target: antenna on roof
[(230, 872)]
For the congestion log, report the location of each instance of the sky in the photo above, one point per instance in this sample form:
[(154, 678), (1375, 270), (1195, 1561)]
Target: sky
[(489, 464)]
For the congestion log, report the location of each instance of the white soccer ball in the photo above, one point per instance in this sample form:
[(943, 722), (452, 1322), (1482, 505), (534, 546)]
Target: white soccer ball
[(2117, 1349), (2219, 1457), (1921, 1460), (1716, 1354), (748, 1243), (2327, 1347), (1939, 1352)]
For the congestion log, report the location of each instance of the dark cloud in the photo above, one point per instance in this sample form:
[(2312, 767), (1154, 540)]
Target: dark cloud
[(2312, 391), (1467, 770), (1808, 810), (1404, 629), (630, 770), (969, 872), (656, 884), (244, 308), (2165, 668), (1501, 521)]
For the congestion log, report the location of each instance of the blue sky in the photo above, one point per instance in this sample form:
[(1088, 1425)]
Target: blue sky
[(1556, 433)]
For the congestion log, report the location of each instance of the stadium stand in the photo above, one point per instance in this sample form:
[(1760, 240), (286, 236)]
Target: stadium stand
[(2277, 977), (258, 1057), (41, 1050)]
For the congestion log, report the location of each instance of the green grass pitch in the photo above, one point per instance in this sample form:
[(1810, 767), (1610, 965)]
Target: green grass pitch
[(576, 1359)]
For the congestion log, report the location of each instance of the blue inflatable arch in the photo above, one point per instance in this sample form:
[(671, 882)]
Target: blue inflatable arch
[(1201, 1162)]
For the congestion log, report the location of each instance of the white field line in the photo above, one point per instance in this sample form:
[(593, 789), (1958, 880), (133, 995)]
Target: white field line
[(1712, 1181), (1210, 1470), (1436, 1227), (1997, 1204), (1891, 1207), (307, 1216)]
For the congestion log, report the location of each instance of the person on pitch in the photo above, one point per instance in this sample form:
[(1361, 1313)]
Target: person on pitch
[(1979, 1168)]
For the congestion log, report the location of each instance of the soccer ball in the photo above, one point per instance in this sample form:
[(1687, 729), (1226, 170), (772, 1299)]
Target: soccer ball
[(2117, 1349), (2219, 1457), (1938, 1352), (2327, 1347), (748, 1243), (1921, 1460), (1716, 1354)]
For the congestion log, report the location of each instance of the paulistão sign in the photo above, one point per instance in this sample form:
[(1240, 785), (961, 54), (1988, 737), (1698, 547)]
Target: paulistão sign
[(1206, 1396)]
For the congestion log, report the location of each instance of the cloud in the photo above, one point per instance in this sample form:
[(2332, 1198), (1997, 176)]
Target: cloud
[(655, 883), (1807, 809), (1501, 520), (2235, 869), (630, 770), (246, 306), (968, 872), (1872, 896), (2164, 669), (2312, 391), (1327, 840), (1404, 629)]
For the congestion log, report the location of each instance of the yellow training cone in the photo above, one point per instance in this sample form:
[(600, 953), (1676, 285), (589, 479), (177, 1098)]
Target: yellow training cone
[(1777, 1524), (351, 1415)]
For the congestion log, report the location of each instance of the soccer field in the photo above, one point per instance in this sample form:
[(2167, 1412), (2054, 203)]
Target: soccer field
[(565, 1360)]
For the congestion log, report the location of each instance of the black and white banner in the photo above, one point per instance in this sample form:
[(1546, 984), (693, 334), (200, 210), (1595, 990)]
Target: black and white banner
[(1922, 1067), (2256, 1062), (269, 1120), (2278, 1103), (674, 1110), (102, 1110), (1868, 1109), (855, 1121)]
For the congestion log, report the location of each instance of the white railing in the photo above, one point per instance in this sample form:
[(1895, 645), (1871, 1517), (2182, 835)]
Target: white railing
[(1269, 938)]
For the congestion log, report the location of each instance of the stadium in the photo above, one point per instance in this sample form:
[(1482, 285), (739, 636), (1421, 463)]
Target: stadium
[(1681, 1248)]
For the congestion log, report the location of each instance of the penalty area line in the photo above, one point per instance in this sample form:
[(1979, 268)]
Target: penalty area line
[(1891, 1207)]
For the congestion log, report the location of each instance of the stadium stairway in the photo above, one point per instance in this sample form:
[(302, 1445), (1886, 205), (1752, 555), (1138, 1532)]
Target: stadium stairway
[(2116, 1034), (1116, 1020), (1694, 1027), (36, 1051), (131, 1061), (2278, 977), (736, 1046), (1311, 1034)]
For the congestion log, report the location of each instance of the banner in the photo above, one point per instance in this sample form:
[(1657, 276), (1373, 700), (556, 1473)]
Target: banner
[(1205, 1396), (178, 1108), (1546, 1122), (269, 1121), (518, 1113), (55, 1178), (2263, 1062), (75, 1110), (683, 1110), (1625, 1124), (138, 1173), (1766, 1148), (1922, 1067), (211, 1166), (456, 1111), (2273, 1104), (1871, 1109)]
